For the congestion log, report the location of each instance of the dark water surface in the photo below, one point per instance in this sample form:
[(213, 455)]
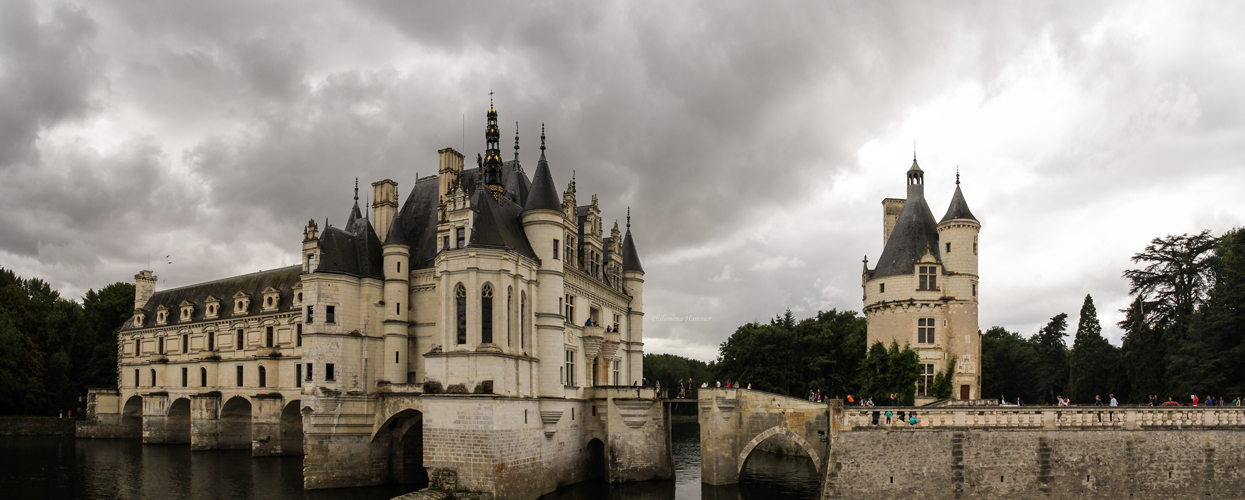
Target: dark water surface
[(63, 467)]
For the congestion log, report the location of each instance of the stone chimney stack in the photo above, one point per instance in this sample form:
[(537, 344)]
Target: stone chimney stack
[(891, 207), (144, 287), (451, 168), (384, 205)]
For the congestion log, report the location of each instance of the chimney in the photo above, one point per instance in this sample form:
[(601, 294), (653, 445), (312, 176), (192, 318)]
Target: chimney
[(144, 288), (384, 205), (449, 171), (891, 207)]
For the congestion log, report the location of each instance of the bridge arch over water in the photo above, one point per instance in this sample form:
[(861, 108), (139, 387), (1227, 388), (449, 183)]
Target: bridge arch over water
[(733, 422)]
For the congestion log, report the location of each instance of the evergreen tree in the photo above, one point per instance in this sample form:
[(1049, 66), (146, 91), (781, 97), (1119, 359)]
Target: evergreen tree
[(1092, 361), (1008, 364), (1142, 355), (1052, 356)]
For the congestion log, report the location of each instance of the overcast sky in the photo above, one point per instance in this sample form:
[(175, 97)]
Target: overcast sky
[(754, 141)]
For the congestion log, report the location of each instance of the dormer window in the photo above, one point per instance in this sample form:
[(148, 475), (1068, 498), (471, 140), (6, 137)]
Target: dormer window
[(241, 303), (139, 318), (928, 277), (162, 315), (298, 294), (187, 309), (213, 308), (272, 298)]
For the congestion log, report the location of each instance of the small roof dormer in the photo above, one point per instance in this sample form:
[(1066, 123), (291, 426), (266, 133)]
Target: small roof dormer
[(272, 299), (187, 310), (241, 303), (162, 315), (213, 307)]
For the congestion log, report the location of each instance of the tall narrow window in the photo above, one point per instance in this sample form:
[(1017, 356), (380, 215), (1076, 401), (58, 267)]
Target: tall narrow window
[(486, 314), (238, 340), (399, 267), (202, 377), (211, 341), (309, 367), (136, 380), (555, 249), (928, 277), (461, 235), (153, 378), (509, 316), (617, 372), (522, 318), (398, 308), (446, 245), (263, 377), (974, 289), (185, 343), (160, 345), (925, 380), (925, 331), (570, 308), (311, 310), (185, 377), (298, 375), (397, 357), (298, 335), (268, 337), (239, 375), (330, 314), (328, 371), (881, 287), (948, 248), (460, 312), (570, 367)]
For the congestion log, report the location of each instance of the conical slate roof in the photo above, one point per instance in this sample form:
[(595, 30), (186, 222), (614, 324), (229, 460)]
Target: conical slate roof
[(517, 184), (544, 195), (631, 258), (396, 236), (915, 232), (959, 207)]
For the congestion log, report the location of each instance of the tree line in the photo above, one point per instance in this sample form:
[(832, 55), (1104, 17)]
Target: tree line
[(53, 349), (1184, 334)]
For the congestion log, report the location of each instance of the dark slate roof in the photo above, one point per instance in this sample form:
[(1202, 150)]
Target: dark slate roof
[(959, 207), (396, 236), (915, 233), (517, 184), (355, 215), (543, 194), (419, 222), (498, 225), (631, 258), (355, 251), (283, 279)]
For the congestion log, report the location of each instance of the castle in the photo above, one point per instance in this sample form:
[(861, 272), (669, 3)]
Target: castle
[(494, 336), (923, 291)]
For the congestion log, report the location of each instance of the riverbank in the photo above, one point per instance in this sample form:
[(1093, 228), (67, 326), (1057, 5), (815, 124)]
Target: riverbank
[(36, 426)]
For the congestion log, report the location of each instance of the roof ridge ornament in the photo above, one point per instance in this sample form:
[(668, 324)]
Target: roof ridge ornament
[(542, 136), (356, 190), (628, 219), (957, 175), (516, 141)]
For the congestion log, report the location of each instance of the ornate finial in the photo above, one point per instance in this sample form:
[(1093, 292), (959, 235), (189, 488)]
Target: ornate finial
[(628, 219), (542, 136), (490, 99), (957, 175), (914, 150), (356, 189), (516, 141)]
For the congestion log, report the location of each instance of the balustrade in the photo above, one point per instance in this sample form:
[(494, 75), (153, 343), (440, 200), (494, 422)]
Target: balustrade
[(1071, 418)]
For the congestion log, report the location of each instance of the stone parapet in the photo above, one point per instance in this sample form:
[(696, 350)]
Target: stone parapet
[(1050, 418)]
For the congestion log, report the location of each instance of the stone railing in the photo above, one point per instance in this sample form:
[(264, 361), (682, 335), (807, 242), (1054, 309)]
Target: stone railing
[(594, 336), (619, 392), (1048, 418)]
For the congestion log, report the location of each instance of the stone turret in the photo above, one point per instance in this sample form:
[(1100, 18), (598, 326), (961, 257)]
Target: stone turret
[(384, 204), (144, 287)]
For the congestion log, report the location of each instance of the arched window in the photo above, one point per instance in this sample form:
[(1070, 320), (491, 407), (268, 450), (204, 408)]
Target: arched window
[(263, 377), (509, 316), (153, 378), (203, 377), (460, 312), (522, 318), (486, 314)]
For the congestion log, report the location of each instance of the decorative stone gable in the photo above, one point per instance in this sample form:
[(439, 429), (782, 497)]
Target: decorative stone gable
[(241, 303), (272, 299), (213, 308), (188, 308), (162, 315)]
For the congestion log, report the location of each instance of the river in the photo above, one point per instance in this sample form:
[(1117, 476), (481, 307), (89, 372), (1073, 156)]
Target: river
[(64, 467)]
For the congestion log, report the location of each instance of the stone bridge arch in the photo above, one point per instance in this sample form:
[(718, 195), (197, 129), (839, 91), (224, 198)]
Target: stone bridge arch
[(777, 431), (734, 421)]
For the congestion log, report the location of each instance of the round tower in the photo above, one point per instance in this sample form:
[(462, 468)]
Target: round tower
[(633, 284), (957, 236), (397, 256), (546, 226)]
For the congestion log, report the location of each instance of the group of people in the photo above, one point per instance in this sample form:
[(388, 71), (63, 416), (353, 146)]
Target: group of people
[(814, 396), (863, 402), (592, 322), (1208, 401), (685, 384)]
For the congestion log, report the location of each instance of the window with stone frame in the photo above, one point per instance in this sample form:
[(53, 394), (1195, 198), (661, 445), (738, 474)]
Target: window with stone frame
[(461, 235), (460, 313), (239, 340), (570, 367), (522, 318), (617, 372), (330, 314), (185, 343), (239, 370), (925, 380), (298, 375), (211, 341), (486, 314), (925, 331), (185, 377), (928, 277), (617, 321), (268, 337), (298, 335), (555, 249), (202, 377), (263, 377), (570, 308)]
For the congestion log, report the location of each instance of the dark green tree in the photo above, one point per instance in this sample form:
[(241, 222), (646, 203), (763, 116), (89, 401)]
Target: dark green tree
[(1051, 371), (1094, 364), (1008, 364)]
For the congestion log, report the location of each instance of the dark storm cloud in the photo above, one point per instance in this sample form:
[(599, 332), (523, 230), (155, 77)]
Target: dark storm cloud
[(47, 72)]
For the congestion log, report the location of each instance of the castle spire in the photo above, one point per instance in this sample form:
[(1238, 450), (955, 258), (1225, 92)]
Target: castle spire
[(356, 190), (490, 167), (957, 175), (628, 219), (516, 141)]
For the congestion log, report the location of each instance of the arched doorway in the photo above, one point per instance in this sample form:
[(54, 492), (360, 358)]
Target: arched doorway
[(178, 422), (292, 429), (234, 424), (596, 460), (399, 444), (132, 417)]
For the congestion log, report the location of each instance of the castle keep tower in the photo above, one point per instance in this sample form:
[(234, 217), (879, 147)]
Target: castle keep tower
[(923, 291)]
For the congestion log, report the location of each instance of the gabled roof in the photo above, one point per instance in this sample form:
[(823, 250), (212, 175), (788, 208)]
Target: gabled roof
[(959, 207), (283, 279)]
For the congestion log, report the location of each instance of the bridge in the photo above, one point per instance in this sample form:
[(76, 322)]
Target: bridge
[(956, 452)]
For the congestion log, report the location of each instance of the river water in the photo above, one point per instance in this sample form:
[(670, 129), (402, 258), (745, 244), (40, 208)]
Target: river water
[(64, 467)]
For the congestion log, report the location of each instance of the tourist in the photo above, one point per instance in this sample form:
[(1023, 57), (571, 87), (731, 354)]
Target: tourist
[(818, 395), (681, 392), (718, 384), (749, 386), (1097, 400), (1194, 396), (1113, 401), (888, 417)]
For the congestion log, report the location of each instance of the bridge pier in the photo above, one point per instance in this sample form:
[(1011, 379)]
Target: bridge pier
[(266, 425), (155, 421), (733, 422), (204, 414)]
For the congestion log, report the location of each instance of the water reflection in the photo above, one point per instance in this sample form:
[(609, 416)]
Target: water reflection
[(765, 476), (62, 467)]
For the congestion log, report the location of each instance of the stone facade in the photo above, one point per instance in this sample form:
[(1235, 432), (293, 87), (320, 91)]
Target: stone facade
[(923, 291), (735, 422), (1046, 453), (474, 331)]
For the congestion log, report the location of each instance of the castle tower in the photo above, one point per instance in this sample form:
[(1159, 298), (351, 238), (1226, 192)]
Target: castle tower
[(144, 287), (397, 256), (922, 291), (546, 227), (384, 204), (633, 284)]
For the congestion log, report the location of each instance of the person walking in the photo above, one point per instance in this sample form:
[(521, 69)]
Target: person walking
[(1194, 396), (1113, 401)]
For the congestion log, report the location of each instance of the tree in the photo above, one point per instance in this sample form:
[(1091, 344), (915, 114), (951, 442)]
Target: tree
[(1008, 365), (1094, 364), (792, 357), (1052, 356), (941, 387)]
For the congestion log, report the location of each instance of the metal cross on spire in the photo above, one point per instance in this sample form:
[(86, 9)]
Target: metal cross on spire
[(356, 189), (628, 219), (957, 175)]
